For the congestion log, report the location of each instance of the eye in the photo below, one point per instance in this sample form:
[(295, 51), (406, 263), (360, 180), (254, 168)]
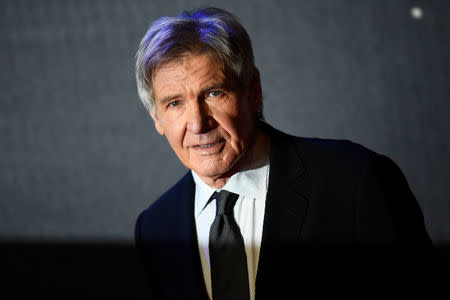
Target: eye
[(214, 93), (173, 103)]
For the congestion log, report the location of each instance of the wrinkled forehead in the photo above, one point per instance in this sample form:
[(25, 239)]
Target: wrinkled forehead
[(178, 59), (187, 61)]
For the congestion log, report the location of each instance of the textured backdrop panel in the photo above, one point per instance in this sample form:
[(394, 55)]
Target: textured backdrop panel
[(79, 156)]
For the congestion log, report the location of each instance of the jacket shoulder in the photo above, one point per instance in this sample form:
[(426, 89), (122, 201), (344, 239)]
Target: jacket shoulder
[(328, 152), (171, 194), (341, 149), (321, 149), (167, 204)]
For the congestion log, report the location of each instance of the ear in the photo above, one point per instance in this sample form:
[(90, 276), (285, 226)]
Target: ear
[(158, 125), (255, 94)]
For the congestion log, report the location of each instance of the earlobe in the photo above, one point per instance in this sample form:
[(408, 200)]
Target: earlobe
[(158, 126)]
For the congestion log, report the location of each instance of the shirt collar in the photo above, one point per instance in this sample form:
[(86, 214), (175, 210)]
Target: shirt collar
[(202, 194), (249, 183)]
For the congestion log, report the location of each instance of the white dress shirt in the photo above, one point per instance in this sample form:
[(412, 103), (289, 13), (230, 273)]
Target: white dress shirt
[(251, 186)]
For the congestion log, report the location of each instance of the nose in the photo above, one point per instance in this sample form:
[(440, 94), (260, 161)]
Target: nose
[(199, 119)]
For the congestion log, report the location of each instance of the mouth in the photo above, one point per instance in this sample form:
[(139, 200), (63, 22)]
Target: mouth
[(211, 145)]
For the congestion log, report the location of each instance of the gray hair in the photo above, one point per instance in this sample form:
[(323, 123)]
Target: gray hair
[(204, 30)]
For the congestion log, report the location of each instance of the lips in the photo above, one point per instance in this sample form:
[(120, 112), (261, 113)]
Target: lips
[(210, 145)]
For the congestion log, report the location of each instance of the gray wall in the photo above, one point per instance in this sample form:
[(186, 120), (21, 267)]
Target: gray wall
[(79, 157)]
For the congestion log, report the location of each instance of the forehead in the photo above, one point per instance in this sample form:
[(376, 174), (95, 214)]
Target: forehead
[(191, 69)]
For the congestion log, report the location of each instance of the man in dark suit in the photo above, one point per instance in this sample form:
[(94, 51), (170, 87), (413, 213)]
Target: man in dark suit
[(261, 214)]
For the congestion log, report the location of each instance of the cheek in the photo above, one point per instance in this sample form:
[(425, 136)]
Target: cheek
[(237, 124), (174, 133), (237, 134)]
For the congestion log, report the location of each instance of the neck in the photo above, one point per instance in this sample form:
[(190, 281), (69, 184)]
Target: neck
[(256, 157)]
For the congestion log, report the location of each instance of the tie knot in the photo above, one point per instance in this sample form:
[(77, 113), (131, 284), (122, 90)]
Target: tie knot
[(225, 202)]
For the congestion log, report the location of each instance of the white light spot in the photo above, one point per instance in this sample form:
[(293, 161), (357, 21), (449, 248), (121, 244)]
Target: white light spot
[(416, 12)]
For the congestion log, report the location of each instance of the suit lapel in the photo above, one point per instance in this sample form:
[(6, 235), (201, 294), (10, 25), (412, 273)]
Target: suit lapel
[(285, 210), (187, 266)]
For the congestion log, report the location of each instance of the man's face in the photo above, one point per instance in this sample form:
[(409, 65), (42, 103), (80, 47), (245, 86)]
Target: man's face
[(206, 118)]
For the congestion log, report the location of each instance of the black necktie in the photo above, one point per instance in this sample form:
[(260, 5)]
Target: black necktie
[(229, 274)]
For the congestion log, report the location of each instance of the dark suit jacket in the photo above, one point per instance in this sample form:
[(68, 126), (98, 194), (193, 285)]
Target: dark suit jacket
[(337, 215)]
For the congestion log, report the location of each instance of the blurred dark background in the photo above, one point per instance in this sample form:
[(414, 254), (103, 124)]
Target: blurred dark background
[(79, 156)]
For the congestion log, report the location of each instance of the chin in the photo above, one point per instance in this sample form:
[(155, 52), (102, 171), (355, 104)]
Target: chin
[(211, 171)]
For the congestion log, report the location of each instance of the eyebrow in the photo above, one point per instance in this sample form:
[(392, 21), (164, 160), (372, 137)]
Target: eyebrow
[(212, 87), (169, 98)]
